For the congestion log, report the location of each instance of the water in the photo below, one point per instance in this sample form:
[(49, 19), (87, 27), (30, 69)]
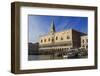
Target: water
[(42, 57)]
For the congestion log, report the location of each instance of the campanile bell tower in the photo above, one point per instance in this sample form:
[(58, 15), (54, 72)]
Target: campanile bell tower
[(52, 28)]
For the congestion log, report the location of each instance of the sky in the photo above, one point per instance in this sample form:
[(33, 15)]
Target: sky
[(40, 25)]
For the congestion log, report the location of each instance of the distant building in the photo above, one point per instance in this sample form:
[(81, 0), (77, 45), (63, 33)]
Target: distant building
[(59, 41), (33, 48), (84, 42)]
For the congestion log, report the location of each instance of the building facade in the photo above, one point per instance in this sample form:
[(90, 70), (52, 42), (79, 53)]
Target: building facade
[(84, 42), (60, 41)]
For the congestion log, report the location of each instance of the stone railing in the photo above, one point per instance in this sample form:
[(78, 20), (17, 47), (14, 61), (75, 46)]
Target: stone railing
[(68, 43)]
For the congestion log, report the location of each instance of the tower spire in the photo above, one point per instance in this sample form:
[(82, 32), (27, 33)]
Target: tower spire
[(52, 29)]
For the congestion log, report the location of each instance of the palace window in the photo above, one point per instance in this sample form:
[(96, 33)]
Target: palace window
[(61, 38), (44, 40), (56, 38), (83, 41), (86, 46), (41, 41), (68, 37), (49, 39), (52, 40)]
